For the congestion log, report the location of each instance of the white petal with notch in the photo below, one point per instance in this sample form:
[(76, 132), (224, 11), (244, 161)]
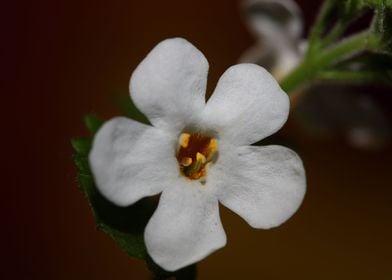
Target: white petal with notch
[(264, 185), (131, 160), (186, 226), (169, 85), (246, 106)]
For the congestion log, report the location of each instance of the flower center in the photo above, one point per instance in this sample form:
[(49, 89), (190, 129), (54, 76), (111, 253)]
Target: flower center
[(194, 153)]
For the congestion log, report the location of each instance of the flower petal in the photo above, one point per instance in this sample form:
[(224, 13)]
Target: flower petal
[(264, 185), (278, 26), (247, 105), (169, 84), (264, 15), (131, 160), (186, 226)]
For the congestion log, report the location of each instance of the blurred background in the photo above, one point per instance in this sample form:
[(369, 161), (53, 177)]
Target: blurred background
[(67, 58)]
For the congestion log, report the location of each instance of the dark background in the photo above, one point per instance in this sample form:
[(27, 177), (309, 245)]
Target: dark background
[(65, 58)]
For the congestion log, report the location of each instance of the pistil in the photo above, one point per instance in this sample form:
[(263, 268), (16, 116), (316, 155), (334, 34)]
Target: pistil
[(195, 152)]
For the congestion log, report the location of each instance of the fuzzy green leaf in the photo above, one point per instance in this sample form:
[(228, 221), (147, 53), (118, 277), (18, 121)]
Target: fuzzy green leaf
[(351, 7), (368, 67), (133, 244), (129, 109), (124, 224), (81, 162), (81, 145), (382, 23), (92, 123), (383, 26)]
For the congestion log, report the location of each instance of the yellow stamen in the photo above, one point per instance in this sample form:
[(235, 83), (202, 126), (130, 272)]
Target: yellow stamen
[(195, 152), (184, 139), (186, 161), (200, 157), (213, 145)]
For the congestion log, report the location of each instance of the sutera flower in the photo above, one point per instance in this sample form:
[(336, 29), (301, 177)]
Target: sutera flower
[(197, 154), (278, 26)]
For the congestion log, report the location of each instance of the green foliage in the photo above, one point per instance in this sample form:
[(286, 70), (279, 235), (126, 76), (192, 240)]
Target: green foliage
[(92, 123), (124, 224), (383, 26), (81, 145), (354, 6), (382, 23), (341, 13), (327, 49), (369, 67), (351, 7), (129, 109)]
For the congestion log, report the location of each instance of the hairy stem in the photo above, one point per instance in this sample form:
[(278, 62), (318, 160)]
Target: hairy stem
[(318, 27), (309, 69)]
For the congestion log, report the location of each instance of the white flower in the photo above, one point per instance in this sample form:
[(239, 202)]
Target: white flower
[(278, 27), (197, 154)]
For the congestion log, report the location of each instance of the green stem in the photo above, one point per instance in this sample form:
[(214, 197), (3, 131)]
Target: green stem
[(308, 70), (350, 76), (335, 32), (318, 27)]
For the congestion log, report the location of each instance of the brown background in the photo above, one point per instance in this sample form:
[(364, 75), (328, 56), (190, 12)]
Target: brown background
[(66, 58)]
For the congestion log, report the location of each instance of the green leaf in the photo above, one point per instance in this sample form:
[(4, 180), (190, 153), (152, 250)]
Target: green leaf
[(368, 67), (124, 224), (128, 108), (81, 162), (133, 244), (92, 123), (81, 145), (383, 26), (351, 7), (382, 23), (85, 182)]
